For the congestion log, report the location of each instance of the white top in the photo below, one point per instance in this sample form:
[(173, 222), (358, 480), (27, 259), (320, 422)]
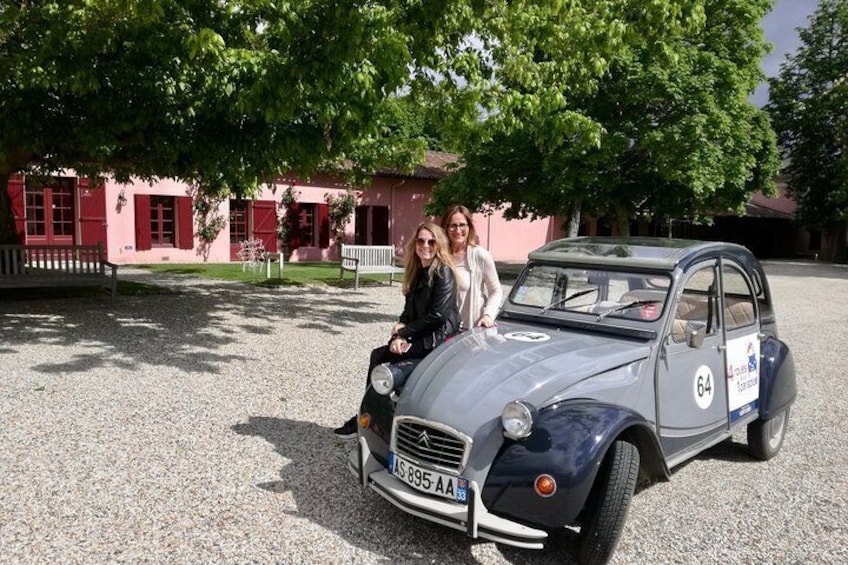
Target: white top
[(478, 288)]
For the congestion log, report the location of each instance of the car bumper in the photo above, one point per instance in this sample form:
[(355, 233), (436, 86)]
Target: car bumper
[(473, 518)]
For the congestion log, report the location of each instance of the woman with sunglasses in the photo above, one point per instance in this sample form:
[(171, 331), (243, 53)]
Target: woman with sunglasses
[(430, 312), (479, 292)]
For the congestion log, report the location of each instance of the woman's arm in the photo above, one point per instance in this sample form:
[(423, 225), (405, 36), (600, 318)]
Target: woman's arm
[(493, 295)]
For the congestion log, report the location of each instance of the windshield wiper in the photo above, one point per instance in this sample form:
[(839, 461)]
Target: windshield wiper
[(626, 306), (562, 301)]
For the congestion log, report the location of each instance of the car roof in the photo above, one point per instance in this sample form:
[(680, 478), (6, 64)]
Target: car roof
[(635, 252)]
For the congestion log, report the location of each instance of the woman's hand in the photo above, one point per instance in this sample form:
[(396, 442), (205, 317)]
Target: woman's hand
[(486, 322), (397, 327), (398, 346)]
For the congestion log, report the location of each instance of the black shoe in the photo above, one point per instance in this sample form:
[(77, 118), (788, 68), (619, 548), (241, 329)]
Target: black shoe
[(347, 431)]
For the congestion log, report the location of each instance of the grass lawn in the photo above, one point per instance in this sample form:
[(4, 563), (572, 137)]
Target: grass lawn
[(294, 274)]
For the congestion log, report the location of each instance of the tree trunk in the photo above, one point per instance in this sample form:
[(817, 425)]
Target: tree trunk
[(622, 223), (573, 223)]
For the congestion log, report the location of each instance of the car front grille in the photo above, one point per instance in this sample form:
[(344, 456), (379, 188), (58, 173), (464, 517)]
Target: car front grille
[(431, 444)]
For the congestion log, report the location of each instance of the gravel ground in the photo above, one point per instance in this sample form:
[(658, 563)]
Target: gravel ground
[(196, 427)]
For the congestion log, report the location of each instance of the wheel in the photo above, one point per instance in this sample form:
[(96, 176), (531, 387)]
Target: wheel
[(765, 438), (606, 509)]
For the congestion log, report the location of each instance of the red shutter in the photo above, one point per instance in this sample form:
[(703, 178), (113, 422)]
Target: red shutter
[(185, 222), (322, 220), (16, 196), (92, 212), (143, 240), (265, 223)]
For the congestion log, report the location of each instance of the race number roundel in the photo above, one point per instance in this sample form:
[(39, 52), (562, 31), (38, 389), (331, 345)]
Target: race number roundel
[(529, 337), (704, 387)]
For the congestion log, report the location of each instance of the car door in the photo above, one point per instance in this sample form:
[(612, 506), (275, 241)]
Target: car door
[(691, 388), (741, 325)]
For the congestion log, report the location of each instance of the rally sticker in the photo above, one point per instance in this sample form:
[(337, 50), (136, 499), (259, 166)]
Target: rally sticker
[(527, 336), (743, 375), (704, 387)]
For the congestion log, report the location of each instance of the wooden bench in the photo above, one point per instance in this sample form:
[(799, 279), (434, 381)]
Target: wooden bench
[(35, 266), (369, 260)]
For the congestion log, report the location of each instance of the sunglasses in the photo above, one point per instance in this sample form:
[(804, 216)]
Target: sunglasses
[(422, 242), (454, 227)]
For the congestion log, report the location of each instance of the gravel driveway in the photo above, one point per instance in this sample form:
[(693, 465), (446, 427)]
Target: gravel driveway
[(196, 427)]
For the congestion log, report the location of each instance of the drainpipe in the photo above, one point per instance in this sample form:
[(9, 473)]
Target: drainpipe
[(489, 233), (392, 210)]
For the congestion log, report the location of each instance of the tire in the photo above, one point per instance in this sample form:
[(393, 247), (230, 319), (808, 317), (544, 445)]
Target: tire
[(765, 437), (608, 503)]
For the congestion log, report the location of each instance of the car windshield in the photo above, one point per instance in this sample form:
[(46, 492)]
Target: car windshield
[(599, 293)]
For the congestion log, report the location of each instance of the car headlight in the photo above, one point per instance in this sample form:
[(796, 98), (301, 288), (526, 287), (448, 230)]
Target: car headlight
[(517, 419), (382, 380), (390, 376)]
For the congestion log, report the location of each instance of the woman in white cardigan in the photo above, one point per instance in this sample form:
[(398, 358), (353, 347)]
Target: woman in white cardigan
[(478, 289)]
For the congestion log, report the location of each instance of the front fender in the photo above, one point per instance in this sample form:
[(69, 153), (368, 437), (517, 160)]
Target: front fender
[(569, 443), (381, 410), (778, 386)]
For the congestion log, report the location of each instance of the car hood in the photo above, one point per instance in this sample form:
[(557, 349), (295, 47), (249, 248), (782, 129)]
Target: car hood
[(466, 383)]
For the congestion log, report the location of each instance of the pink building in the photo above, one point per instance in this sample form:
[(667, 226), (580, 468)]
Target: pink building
[(141, 223)]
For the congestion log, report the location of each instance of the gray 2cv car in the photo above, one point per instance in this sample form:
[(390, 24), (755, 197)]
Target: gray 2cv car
[(614, 360)]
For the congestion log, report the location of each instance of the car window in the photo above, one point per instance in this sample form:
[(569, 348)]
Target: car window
[(554, 288), (696, 307), (738, 299), (762, 299)]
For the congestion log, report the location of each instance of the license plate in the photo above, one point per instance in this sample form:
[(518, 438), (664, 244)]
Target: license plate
[(426, 480)]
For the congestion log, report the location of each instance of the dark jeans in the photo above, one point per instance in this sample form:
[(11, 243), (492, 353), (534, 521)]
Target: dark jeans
[(382, 354)]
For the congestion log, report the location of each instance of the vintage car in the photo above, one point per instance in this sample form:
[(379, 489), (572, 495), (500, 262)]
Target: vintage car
[(614, 359)]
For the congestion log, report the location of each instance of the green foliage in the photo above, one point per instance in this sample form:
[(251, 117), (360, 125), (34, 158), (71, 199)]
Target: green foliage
[(809, 108), (208, 218), (290, 218), (413, 118), (617, 108), (340, 211)]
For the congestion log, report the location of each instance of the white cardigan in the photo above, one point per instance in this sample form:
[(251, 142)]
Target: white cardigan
[(485, 293)]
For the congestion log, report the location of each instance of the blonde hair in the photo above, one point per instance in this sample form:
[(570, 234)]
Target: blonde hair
[(473, 239), (441, 254)]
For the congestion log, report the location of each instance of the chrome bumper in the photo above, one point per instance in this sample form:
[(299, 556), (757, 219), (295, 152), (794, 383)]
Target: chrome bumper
[(473, 518)]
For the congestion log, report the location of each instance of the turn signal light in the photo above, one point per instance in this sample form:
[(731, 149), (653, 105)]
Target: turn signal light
[(545, 485), (365, 421)]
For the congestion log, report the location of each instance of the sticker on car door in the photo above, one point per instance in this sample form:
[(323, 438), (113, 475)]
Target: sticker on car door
[(743, 375), (704, 387)]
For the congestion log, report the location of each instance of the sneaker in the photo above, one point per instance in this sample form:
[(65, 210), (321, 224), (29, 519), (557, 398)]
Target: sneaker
[(347, 430)]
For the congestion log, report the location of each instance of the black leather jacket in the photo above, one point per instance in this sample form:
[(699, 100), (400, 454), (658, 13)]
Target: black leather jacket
[(430, 312)]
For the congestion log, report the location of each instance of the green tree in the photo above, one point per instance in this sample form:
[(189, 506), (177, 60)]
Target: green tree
[(222, 95), (616, 109), (808, 103), (414, 119)]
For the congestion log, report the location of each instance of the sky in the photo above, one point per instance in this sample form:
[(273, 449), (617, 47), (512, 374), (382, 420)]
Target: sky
[(779, 26)]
